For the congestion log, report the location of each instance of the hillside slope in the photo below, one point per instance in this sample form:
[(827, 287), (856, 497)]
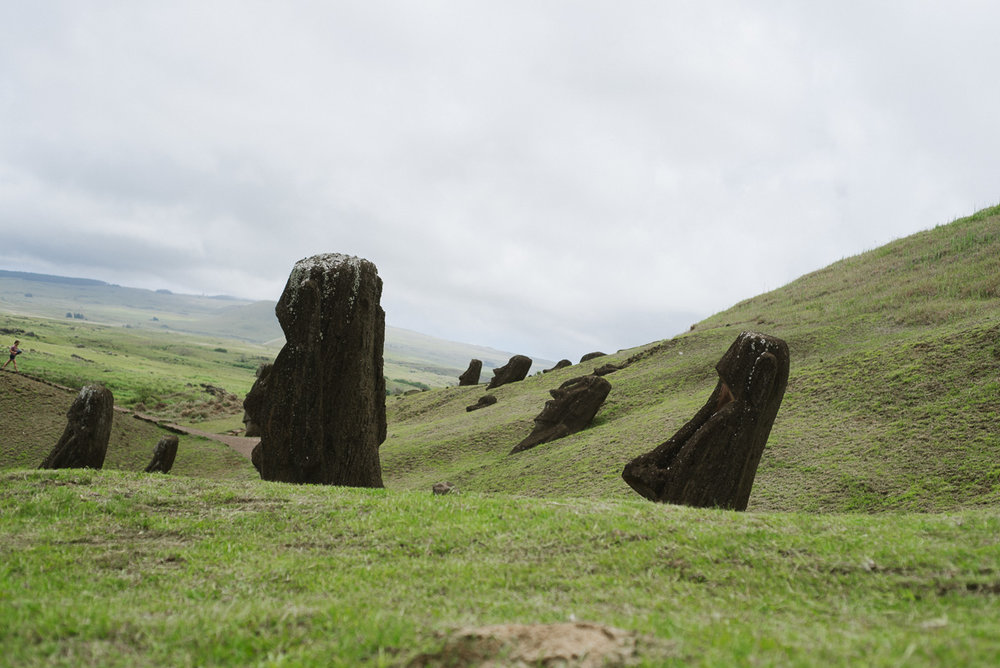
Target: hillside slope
[(412, 360), (892, 401), (33, 417)]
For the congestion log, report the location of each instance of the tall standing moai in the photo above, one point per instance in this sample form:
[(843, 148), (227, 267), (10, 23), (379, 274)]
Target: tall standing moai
[(84, 442), (712, 460), (320, 408)]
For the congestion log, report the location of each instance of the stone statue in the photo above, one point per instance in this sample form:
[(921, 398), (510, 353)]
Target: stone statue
[(84, 442), (320, 409), (572, 407), (712, 460)]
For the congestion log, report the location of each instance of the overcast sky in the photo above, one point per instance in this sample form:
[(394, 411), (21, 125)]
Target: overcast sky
[(547, 178)]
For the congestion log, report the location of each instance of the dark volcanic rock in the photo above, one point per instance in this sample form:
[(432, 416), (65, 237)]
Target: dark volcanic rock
[(513, 371), (590, 356), (471, 375), (251, 428), (321, 407), (163, 455), (572, 407), (559, 365), (84, 442), (443, 488), (712, 460), (484, 401), (606, 369)]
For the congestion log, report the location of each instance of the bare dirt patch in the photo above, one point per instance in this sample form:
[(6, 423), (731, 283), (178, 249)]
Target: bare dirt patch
[(570, 645)]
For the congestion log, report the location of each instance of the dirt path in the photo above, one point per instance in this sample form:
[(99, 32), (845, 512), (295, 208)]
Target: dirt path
[(240, 444)]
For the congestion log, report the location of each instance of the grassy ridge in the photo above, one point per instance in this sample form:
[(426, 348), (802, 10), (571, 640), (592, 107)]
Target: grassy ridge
[(891, 402), (33, 417), (115, 569)]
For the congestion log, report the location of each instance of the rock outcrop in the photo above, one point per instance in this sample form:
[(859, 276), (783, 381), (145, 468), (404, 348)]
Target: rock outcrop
[(559, 365), (514, 370), (484, 401), (471, 375), (163, 455), (590, 356), (572, 407), (712, 460), (84, 442), (321, 407)]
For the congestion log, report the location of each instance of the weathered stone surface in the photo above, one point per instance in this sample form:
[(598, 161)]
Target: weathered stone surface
[(443, 488), (484, 401), (559, 365), (513, 371), (255, 457), (590, 356), (572, 407), (251, 428), (163, 455), (471, 375), (84, 442), (712, 460), (321, 407), (606, 369)]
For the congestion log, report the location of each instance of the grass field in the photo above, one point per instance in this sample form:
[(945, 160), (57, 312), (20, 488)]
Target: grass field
[(124, 569), (892, 400), (872, 537)]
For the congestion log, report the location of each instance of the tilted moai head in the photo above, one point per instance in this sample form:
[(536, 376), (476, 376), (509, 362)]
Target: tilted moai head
[(572, 407), (712, 460)]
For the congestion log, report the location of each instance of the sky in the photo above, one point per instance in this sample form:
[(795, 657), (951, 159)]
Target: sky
[(546, 177)]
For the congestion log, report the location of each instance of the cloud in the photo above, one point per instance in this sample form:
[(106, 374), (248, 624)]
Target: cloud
[(550, 178)]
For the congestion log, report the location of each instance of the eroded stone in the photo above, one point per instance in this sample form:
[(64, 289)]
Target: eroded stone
[(712, 460), (320, 409)]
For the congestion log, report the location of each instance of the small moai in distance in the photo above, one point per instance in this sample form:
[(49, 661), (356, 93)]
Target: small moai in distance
[(561, 364), (484, 401), (591, 356), (572, 407), (712, 460), (320, 408), (84, 442), (471, 375), (163, 455), (514, 370)]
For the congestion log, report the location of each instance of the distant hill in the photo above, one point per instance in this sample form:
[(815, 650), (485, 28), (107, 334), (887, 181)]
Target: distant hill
[(893, 401), (412, 360)]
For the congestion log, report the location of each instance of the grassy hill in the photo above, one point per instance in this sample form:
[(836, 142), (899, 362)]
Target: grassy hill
[(412, 360), (871, 537), (33, 417), (892, 401)]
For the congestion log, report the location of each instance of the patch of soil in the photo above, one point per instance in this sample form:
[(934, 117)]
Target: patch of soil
[(570, 645)]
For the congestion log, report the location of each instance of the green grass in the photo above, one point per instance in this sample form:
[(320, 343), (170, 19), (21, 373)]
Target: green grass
[(138, 366), (105, 568), (871, 538), (891, 401), (33, 417)]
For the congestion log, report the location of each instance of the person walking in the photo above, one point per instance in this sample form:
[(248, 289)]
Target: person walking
[(14, 352)]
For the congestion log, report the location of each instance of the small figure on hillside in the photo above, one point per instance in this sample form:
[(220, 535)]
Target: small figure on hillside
[(14, 352)]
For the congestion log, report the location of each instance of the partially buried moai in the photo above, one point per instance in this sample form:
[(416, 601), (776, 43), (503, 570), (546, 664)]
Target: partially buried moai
[(571, 409), (163, 455), (712, 460), (320, 408), (84, 442)]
